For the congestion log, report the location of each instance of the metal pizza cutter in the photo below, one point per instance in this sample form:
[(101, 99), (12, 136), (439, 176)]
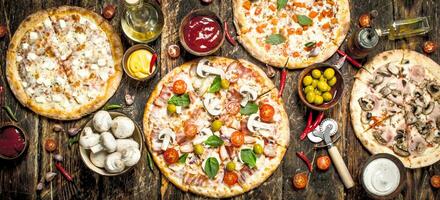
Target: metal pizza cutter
[(311, 136), (328, 128)]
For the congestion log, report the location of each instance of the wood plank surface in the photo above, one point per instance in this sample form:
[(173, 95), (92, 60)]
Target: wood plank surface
[(18, 179)]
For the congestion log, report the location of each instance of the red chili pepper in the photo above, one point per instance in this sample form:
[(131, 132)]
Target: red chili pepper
[(152, 62), (63, 171), (303, 157), (228, 34), (308, 126), (317, 121), (350, 59), (283, 79)]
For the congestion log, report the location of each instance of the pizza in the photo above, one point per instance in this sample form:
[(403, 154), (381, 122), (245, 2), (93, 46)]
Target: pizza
[(64, 63), (305, 31), (395, 107), (216, 126)]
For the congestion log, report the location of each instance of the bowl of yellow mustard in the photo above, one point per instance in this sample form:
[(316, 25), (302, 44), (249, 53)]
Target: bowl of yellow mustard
[(140, 62)]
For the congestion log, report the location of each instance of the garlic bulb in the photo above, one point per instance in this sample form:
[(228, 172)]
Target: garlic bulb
[(122, 127), (102, 121), (130, 156)]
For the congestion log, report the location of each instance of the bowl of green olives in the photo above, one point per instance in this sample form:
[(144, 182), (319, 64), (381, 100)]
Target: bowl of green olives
[(320, 86)]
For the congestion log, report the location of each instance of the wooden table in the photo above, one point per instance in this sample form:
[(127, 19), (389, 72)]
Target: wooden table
[(18, 180)]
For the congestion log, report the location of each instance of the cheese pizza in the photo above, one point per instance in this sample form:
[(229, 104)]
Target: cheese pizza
[(306, 31), (216, 126), (395, 107), (64, 63)]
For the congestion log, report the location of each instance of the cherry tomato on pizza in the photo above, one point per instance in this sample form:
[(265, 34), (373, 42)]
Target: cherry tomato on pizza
[(171, 156), (179, 87), (266, 112), (230, 178), (237, 139), (189, 129)]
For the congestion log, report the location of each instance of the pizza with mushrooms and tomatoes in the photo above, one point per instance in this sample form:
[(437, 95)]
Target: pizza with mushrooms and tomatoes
[(64, 62), (216, 126), (305, 31), (395, 107)]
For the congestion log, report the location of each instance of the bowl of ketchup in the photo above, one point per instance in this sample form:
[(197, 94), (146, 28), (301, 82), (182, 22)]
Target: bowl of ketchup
[(13, 141), (201, 32)]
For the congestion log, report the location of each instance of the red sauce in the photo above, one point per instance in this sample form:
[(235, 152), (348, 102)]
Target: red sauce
[(12, 141), (202, 33)]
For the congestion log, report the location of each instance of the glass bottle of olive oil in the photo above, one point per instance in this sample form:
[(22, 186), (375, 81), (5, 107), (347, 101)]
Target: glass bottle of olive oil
[(141, 21), (406, 28)]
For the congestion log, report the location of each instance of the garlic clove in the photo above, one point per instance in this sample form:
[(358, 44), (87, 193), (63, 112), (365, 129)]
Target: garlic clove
[(58, 128), (40, 186), (73, 131), (58, 157), (49, 176)]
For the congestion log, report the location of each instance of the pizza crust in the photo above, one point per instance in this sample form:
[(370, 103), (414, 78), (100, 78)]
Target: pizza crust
[(431, 155), (216, 191), (12, 73), (327, 50)]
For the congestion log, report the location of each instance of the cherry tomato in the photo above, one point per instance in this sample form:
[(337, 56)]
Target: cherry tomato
[(429, 47), (189, 129), (323, 162), (300, 180), (179, 87), (230, 178), (233, 107), (171, 156), (435, 181), (266, 112), (50, 145), (237, 138), (365, 20)]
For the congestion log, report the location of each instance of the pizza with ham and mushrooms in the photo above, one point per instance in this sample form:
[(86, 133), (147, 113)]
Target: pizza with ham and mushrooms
[(64, 62), (306, 31), (395, 107), (216, 126)]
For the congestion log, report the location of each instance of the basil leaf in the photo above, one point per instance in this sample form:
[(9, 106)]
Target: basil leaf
[(214, 141), (249, 109), (182, 100), (182, 158), (275, 39), (281, 4), (310, 44), (248, 157), (211, 167), (216, 85), (304, 20)]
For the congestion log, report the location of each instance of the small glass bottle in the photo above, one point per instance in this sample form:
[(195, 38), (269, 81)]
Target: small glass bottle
[(362, 42), (141, 21), (406, 28)]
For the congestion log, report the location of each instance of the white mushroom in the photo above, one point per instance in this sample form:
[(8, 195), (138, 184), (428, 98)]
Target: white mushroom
[(130, 156), (102, 121), (248, 93), (254, 124), (167, 136), (121, 144), (203, 69), (114, 163), (202, 136), (108, 143), (212, 104), (98, 159), (88, 139), (122, 127)]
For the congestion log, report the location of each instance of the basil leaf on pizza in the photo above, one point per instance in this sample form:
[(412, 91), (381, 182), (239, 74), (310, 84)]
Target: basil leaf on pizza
[(182, 158), (281, 4), (304, 20), (211, 167), (310, 44), (214, 141), (180, 100), (216, 85), (249, 109), (248, 157), (275, 39)]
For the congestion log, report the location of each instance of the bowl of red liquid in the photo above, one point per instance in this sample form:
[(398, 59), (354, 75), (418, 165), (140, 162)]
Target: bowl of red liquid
[(13, 142), (201, 32)]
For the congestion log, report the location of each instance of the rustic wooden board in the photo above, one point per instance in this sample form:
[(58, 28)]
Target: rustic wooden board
[(19, 179)]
